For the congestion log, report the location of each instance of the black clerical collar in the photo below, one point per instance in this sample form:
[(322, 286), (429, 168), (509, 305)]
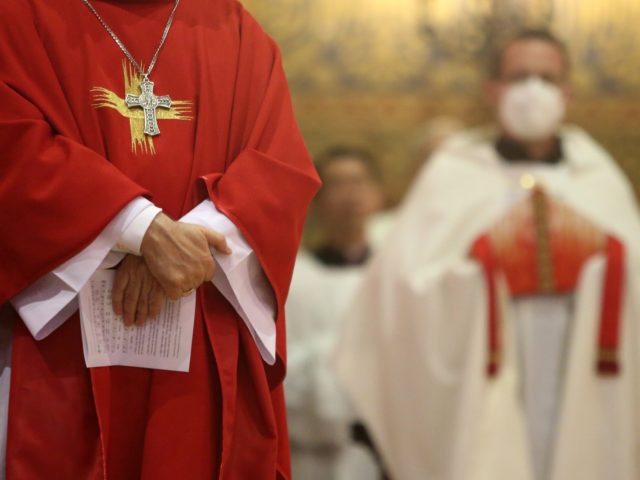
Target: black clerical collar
[(513, 152), (333, 257)]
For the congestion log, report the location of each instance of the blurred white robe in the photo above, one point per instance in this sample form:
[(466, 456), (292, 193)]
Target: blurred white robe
[(319, 413), (379, 226), (413, 355)]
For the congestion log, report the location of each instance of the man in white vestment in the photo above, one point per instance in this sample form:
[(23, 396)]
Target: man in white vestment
[(320, 417), (428, 137), (496, 336)]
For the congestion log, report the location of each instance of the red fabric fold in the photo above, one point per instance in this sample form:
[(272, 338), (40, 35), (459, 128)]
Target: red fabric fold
[(483, 252), (608, 361), (68, 167)]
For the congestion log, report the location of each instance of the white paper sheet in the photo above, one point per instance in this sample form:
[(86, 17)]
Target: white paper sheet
[(163, 343)]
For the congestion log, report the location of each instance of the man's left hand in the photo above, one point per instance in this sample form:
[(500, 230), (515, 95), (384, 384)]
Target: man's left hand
[(137, 295)]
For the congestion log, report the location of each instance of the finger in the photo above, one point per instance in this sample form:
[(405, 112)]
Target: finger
[(119, 286), (156, 300), (142, 309), (131, 296), (173, 293), (170, 282), (210, 270), (217, 241)]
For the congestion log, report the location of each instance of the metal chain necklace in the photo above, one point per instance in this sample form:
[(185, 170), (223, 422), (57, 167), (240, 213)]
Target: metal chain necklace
[(147, 100)]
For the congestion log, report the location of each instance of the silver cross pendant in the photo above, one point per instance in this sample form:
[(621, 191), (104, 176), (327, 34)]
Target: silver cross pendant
[(149, 103)]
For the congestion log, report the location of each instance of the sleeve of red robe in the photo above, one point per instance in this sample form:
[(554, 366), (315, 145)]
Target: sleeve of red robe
[(269, 180), (56, 195)]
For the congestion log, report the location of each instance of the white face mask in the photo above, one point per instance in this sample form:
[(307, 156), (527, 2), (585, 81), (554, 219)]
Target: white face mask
[(532, 109)]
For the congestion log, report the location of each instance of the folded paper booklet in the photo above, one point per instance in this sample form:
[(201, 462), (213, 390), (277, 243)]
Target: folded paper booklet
[(162, 343)]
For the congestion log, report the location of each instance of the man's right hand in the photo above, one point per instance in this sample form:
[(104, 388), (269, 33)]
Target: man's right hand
[(179, 254)]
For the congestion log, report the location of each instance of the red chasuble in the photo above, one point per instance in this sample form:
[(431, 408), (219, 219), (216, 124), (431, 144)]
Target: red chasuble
[(72, 155)]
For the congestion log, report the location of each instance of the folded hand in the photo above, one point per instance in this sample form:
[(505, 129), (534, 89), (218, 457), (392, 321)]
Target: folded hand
[(137, 295), (179, 254)]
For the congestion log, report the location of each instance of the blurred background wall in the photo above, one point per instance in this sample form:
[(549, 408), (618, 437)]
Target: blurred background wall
[(368, 73)]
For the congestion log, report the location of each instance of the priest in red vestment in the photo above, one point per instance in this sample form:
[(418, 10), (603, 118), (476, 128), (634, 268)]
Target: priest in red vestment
[(119, 118)]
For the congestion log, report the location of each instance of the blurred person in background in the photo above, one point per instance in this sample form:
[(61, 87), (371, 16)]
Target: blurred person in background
[(351, 194), (496, 335), (428, 137), (320, 418)]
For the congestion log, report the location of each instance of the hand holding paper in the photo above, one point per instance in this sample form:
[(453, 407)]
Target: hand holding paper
[(137, 295), (178, 254), (163, 343)]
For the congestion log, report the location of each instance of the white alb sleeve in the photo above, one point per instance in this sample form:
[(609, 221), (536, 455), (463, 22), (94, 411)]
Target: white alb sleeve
[(241, 279), (131, 238), (51, 300)]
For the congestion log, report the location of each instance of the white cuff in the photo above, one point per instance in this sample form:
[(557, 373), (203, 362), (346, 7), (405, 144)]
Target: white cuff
[(131, 238), (51, 300), (240, 279)]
